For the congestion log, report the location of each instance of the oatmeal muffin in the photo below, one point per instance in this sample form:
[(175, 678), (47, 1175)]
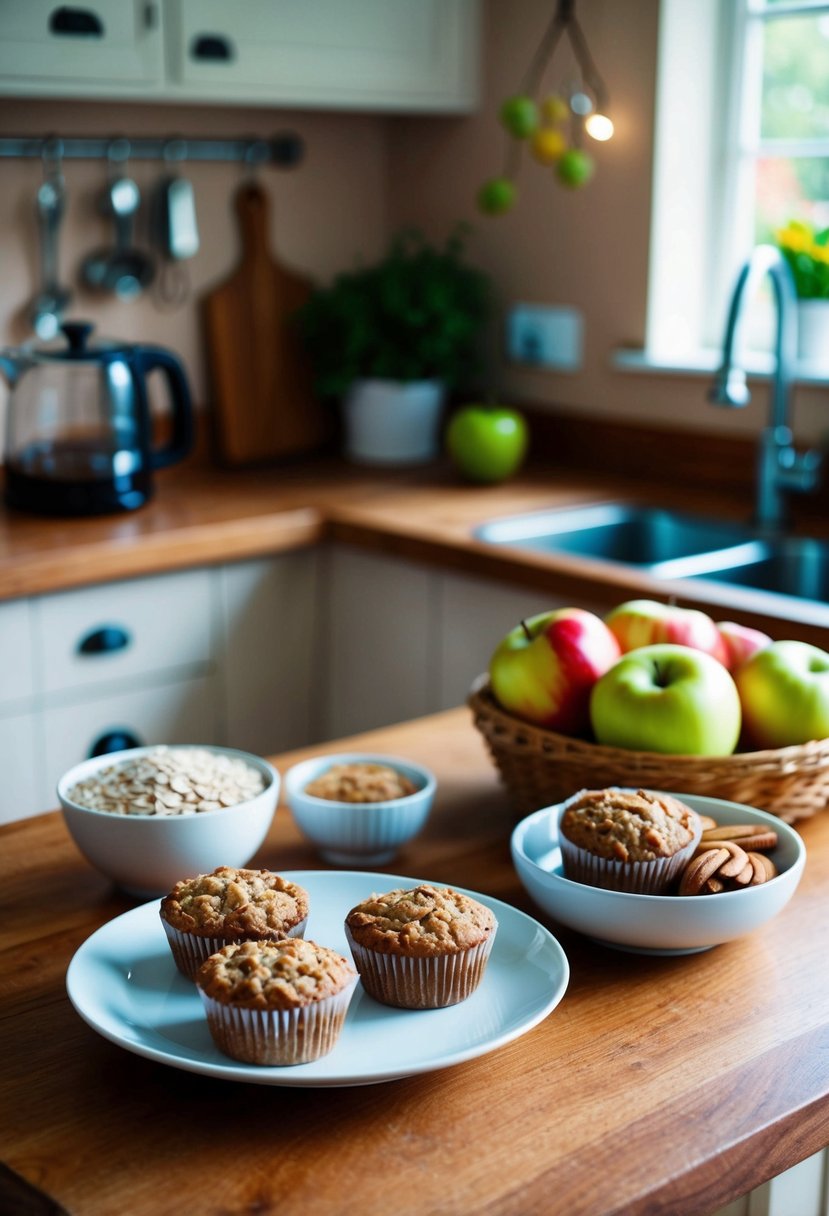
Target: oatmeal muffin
[(360, 782), (200, 915), (276, 1003), (627, 840), (423, 948)]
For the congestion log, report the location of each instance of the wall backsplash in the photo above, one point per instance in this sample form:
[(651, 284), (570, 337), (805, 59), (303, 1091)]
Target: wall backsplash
[(324, 213)]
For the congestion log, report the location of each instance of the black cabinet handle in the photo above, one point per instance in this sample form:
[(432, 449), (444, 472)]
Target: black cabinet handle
[(118, 739), (75, 23), (212, 48), (105, 640)]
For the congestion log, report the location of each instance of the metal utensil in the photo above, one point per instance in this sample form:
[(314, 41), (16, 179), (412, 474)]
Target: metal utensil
[(52, 300), (176, 232), (123, 270)]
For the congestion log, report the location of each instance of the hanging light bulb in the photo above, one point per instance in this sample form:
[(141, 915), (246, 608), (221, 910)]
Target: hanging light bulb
[(599, 126)]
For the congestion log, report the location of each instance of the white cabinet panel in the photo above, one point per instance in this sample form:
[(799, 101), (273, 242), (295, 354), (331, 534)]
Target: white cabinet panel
[(184, 712), (379, 620), (20, 791), (404, 52), (165, 622), (16, 652), (46, 45), (269, 649)]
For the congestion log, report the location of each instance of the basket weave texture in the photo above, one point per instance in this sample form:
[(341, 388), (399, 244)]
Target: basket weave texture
[(540, 767)]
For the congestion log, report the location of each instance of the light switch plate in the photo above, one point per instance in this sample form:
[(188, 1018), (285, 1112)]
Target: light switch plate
[(545, 336)]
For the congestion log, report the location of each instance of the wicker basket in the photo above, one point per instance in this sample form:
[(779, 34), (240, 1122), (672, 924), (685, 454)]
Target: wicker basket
[(540, 767)]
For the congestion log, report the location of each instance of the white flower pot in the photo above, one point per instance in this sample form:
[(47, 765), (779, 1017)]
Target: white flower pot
[(813, 332), (389, 422)]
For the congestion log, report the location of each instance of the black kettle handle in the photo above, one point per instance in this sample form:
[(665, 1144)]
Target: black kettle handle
[(153, 358)]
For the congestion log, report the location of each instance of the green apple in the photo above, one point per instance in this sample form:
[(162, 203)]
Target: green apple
[(544, 669), (520, 116), (496, 196), (487, 443), (670, 699), (575, 168), (784, 689)]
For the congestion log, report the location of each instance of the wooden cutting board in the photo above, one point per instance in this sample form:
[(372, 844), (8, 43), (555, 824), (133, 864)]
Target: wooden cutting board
[(262, 400)]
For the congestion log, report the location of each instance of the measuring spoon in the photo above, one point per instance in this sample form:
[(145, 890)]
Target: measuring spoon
[(123, 270)]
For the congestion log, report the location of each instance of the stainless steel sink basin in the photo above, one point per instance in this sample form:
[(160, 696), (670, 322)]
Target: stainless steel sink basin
[(789, 566), (618, 532), (672, 545)]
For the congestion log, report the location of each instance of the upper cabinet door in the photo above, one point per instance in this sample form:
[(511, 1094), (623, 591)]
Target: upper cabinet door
[(89, 48), (384, 55)]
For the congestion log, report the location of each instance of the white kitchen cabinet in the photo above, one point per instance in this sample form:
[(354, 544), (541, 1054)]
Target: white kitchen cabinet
[(268, 643), (19, 753), (388, 55), (379, 625), (16, 652)]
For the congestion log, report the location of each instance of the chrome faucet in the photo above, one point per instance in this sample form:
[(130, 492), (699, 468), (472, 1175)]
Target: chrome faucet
[(779, 466)]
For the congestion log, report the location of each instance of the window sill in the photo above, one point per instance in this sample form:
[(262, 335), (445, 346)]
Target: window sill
[(705, 362)]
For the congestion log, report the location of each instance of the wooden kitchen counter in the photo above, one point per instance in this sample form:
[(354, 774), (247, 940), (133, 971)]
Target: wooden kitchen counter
[(658, 1085), (203, 515)]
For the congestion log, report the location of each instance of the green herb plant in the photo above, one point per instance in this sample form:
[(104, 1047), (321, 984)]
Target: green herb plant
[(418, 314)]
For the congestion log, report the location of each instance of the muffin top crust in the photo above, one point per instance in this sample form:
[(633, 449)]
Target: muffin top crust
[(287, 974), (360, 782), (422, 921), (628, 825), (231, 902)]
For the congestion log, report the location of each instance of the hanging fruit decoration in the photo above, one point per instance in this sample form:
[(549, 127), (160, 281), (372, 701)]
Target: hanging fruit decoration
[(553, 126)]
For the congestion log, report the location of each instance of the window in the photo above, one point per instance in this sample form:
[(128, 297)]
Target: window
[(741, 148)]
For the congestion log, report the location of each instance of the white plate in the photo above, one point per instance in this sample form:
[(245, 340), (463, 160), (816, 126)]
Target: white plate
[(123, 982)]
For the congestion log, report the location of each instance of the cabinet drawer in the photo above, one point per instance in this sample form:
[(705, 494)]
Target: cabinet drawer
[(124, 630), (47, 41), (20, 792), (415, 52), (184, 711), (16, 651)]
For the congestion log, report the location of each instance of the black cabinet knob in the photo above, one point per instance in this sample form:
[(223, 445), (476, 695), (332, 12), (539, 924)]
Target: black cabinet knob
[(105, 640), (118, 739), (75, 22)]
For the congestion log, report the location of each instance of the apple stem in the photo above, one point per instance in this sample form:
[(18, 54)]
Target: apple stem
[(527, 633)]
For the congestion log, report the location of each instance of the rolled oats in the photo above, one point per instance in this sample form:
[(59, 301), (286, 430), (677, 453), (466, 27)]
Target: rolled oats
[(170, 781)]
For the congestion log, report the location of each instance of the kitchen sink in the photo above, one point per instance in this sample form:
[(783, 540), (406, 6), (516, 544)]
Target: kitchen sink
[(672, 545), (618, 532), (788, 566)]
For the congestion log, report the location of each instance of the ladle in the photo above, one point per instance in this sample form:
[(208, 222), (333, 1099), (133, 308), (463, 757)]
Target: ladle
[(123, 270), (52, 300)]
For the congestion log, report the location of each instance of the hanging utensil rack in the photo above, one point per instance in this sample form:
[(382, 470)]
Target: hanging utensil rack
[(282, 150)]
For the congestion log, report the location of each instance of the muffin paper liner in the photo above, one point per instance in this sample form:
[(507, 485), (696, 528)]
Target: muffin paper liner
[(421, 983), (640, 877), (191, 949), (278, 1037)]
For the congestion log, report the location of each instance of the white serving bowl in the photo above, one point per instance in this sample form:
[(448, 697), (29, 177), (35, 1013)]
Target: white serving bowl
[(148, 854), (359, 833), (655, 924)]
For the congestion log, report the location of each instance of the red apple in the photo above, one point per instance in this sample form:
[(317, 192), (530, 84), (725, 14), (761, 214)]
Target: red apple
[(638, 623), (741, 642), (544, 669)]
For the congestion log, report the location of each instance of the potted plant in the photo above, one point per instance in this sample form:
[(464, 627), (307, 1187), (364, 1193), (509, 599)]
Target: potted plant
[(807, 252), (391, 339)]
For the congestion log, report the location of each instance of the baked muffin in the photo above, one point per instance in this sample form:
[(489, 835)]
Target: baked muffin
[(627, 840), (200, 915), (276, 1003), (424, 948)]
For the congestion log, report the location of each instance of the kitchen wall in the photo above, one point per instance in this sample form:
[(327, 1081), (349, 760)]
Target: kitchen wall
[(366, 175), (586, 248)]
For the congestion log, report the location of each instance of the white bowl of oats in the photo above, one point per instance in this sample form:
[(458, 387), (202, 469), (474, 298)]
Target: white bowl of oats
[(359, 808), (151, 816)]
